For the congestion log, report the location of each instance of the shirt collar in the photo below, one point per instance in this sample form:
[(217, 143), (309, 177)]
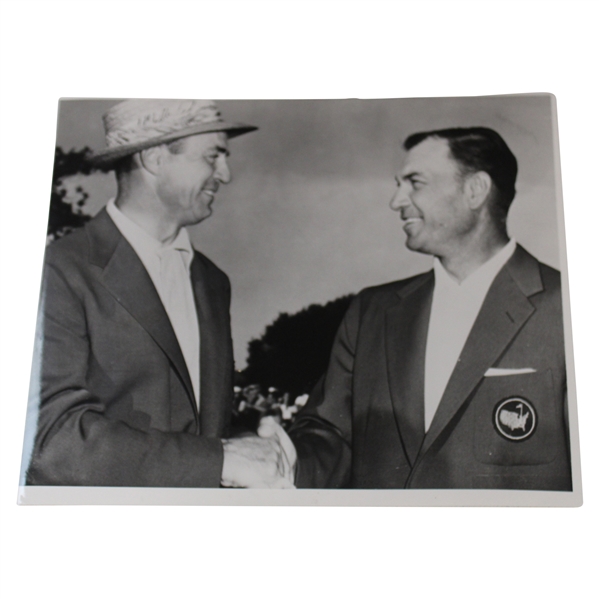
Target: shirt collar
[(142, 241), (482, 276)]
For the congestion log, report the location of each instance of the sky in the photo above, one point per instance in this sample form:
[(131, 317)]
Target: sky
[(306, 218)]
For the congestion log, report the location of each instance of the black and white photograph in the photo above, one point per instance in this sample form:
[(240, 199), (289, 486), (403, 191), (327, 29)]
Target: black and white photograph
[(298, 299), (311, 294)]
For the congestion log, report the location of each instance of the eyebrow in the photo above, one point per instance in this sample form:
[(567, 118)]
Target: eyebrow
[(223, 150), (407, 176)]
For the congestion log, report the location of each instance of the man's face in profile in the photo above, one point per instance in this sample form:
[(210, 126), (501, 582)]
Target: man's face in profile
[(430, 199), (190, 175)]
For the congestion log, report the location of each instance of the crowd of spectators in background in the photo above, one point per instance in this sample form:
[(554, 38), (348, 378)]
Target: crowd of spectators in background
[(251, 403)]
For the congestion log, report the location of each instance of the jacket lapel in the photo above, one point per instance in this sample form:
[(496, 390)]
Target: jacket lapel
[(127, 280), (216, 384), (405, 331), (504, 311)]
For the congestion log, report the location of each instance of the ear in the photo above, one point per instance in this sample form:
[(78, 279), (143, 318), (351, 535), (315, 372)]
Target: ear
[(151, 159), (478, 188)]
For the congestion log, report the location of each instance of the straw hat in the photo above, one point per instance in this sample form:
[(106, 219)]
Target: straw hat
[(134, 125)]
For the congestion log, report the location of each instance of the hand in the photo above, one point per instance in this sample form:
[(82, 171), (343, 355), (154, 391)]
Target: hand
[(264, 461), (269, 428)]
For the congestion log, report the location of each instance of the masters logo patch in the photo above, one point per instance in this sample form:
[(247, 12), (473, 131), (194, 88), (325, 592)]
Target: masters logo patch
[(515, 418)]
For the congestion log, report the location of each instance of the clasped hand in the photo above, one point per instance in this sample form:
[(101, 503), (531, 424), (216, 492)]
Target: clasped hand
[(263, 461)]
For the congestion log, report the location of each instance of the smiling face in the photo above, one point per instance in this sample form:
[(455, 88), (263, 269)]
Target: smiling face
[(430, 199), (190, 175)]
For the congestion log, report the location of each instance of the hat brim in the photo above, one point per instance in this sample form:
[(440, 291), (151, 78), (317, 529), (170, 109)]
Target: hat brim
[(108, 156)]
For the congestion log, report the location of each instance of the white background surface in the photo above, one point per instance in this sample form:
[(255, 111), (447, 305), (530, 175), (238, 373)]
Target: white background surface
[(289, 50)]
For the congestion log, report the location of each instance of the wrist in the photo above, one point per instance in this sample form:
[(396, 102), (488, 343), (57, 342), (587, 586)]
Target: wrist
[(228, 470)]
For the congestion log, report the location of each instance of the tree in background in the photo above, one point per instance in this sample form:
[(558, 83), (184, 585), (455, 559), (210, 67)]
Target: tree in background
[(294, 351), (66, 216)]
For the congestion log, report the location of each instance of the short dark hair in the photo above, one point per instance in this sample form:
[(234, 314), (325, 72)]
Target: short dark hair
[(124, 165), (479, 149)]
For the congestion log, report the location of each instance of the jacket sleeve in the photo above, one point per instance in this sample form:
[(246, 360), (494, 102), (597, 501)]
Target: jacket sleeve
[(322, 432), (76, 443)]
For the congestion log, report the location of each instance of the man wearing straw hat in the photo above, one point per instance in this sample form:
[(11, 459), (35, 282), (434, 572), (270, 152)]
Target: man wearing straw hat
[(135, 365)]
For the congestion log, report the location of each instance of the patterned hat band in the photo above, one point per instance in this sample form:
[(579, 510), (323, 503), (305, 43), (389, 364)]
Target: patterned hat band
[(134, 125)]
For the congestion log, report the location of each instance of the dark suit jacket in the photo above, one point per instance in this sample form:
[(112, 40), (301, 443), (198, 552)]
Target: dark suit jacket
[(363, 426), (116, 404)]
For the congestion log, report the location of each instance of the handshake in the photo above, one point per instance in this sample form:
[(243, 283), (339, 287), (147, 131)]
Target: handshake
[(258, 462)]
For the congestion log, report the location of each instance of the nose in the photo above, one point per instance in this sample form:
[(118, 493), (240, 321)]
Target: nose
[(222, 173), (400, 199)]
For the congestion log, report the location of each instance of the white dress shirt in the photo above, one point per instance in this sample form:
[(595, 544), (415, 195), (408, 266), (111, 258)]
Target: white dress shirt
[(454, 309), (168, 266)]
